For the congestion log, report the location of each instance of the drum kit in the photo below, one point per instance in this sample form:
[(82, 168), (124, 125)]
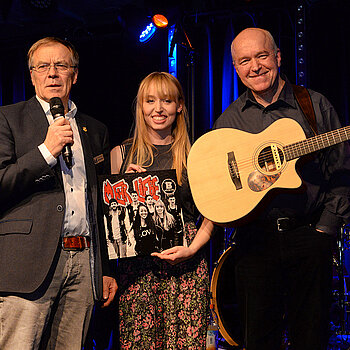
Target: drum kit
[(223, 295), (225, 308)]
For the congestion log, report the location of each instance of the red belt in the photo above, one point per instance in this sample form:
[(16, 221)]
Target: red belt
[(75, 243)]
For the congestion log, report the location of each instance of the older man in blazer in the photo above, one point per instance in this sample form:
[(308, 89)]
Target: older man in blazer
[(53, 258)]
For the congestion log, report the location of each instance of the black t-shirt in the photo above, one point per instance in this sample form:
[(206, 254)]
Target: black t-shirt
[(162, 161)]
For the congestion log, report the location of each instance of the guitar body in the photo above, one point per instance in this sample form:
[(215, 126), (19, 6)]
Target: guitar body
[(230, 171)]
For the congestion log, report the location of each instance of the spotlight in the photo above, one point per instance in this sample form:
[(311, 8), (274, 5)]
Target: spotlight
[(172, 55), (147, 33), (301, 66), (41, 4), (158, 21)]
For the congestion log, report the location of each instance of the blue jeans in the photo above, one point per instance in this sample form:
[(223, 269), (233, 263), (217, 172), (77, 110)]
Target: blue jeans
[(57, 315)]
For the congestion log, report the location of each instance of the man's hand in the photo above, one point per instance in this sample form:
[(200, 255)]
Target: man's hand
[(58, 135), (109, 289)]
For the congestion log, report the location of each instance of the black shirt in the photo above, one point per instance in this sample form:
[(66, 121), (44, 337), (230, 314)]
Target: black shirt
[(324, 199), (162, 160)]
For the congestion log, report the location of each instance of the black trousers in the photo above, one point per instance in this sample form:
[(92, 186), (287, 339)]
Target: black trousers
[(284, 278)]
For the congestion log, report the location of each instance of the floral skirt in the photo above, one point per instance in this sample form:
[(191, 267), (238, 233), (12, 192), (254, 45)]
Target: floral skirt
[(163, 306)]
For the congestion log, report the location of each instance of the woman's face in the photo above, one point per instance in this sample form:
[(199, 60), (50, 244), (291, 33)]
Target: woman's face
[(159, 113), (159, 209), (143, 212)]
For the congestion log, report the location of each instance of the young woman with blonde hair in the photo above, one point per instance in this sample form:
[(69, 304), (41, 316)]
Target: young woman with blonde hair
[(164, 297)]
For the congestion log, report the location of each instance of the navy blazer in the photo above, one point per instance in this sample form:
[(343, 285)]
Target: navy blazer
[(32, 200)]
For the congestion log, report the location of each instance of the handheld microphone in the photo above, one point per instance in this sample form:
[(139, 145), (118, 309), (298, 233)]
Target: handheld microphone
[(57, 110)]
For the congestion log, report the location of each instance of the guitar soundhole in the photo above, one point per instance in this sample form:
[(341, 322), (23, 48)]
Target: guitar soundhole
[(271, 159)]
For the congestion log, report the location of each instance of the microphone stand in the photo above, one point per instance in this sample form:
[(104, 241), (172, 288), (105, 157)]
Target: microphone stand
[(183, 40), (342, 295), (190, 83)]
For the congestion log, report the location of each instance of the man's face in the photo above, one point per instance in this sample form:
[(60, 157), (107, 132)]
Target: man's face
[(113, 206), (255, 60), (172, 200), (149, 200), (53, 83), (134, 197)]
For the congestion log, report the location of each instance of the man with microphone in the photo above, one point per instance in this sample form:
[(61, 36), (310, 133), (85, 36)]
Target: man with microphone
[(53, 254)]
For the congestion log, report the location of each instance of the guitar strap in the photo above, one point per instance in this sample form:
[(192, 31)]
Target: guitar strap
[(304, 100)]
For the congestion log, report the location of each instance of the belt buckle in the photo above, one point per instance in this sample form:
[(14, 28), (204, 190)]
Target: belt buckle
[(281, 224), (63, 247), (83, 243)]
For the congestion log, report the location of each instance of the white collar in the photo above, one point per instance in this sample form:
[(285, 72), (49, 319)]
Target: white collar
[(46, 107)]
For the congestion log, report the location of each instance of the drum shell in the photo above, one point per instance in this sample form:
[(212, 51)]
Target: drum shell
[(224, 299)]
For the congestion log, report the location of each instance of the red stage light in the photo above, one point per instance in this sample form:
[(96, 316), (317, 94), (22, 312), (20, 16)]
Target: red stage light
[(160, 21)]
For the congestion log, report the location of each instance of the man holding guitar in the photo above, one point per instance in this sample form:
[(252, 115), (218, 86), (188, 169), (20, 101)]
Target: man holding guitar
[(284, 255)]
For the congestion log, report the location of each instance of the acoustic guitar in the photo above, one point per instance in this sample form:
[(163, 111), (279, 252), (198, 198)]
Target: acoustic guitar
[(230, 171)]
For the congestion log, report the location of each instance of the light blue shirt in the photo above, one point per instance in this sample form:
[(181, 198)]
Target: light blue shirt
[(76, 218)]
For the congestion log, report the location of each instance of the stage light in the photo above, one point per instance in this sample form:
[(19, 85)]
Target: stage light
[(160, 21), (300, 41), (147, 33), (172, 55), (41, 4)]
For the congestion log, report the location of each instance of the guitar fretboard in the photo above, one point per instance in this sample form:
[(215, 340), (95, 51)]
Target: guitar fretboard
[(316, 143)]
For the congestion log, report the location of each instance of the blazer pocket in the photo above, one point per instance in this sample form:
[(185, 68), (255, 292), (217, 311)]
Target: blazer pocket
[(16, 226)]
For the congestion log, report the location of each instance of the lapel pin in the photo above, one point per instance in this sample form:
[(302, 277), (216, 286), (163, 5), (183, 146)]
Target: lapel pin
[(84, 128)]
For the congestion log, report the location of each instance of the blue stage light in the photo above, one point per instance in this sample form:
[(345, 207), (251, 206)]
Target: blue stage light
[(172, 54), (147, 33)]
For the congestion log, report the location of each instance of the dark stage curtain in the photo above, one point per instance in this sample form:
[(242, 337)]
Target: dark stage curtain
[(327, 54), (111, 69), (13, 71)]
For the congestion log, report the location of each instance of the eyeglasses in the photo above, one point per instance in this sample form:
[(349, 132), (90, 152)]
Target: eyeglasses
[(45, 67)]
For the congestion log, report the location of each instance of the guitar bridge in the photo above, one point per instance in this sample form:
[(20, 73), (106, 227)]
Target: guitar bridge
[(233, 170)]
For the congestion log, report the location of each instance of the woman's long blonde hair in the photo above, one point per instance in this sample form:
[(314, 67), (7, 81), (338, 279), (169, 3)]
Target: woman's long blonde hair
[(167, 220), (142, 149)]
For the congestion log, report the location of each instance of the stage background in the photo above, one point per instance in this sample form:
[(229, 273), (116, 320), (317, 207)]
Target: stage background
[(113, 61)]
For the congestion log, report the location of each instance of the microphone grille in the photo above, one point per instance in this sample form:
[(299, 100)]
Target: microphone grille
[(56, 106)]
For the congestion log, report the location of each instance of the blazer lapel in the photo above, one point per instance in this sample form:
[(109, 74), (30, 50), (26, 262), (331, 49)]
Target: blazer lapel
[(39, 120), (88, 157)]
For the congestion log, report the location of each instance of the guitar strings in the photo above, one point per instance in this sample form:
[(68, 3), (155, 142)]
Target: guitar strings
[(299, 148)]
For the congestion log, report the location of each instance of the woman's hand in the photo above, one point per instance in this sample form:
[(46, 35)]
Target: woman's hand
[(175, 254), (178, 254), (134, 168)]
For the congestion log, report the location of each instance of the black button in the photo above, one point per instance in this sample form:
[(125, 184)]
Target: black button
[(59, 207)]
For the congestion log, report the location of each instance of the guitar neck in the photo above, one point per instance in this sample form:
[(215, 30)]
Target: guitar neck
[(316, 143)]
